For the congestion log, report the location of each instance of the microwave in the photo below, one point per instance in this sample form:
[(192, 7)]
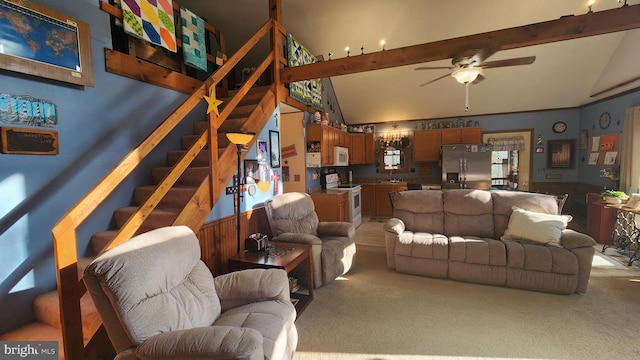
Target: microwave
[(340, 156)]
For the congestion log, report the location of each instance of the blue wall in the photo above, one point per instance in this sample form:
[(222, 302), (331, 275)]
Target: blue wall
[(97, 127)]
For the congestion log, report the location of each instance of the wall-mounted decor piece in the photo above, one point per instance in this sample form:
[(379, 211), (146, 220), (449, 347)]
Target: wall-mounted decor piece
[(28, 141), (251, 171), (561, 154), (262, 151), (274, 145), (584, 139), (27, 110), (38, 41), (539, 149)]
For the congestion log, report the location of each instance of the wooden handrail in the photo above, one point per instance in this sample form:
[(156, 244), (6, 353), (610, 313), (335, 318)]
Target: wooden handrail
[(65, 230)]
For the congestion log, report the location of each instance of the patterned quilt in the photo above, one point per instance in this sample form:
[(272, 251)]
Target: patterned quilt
[(150, 20)]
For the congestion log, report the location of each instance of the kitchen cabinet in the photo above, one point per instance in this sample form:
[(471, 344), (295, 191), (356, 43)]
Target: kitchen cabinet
[(427, 143), (331, 206), (328, 137), (357, 152), (369, 148), (368, 198), (375, 198), (600, 219)]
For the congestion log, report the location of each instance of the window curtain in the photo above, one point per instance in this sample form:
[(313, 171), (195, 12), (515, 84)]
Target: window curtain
[(630, 167), (507, 144)]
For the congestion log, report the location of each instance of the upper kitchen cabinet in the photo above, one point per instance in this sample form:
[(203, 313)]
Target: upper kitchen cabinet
[(461, 136), (426, 145), (362, 149), (328, 137)]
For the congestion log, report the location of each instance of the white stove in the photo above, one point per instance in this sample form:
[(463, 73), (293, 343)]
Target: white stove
[(355, 193)]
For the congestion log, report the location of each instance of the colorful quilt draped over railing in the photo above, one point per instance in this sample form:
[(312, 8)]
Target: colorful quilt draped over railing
[(194, 48), (305, 91), (150, 20)]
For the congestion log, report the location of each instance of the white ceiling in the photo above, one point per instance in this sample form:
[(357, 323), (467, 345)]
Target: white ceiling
[(564, 75)]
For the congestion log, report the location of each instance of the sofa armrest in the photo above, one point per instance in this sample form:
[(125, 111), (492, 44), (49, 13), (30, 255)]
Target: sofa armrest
[(336, 228), (297, 238), (395, 226), (204, 342), (572, 239), (243, 287)]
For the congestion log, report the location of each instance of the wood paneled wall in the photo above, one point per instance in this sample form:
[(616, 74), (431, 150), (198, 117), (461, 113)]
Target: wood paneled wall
[(218, 237)]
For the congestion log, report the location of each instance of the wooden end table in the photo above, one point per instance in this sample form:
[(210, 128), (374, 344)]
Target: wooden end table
[(286, 256)]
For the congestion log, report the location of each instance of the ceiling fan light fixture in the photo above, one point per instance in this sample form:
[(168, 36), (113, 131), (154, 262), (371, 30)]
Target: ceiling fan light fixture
[(467, 75)]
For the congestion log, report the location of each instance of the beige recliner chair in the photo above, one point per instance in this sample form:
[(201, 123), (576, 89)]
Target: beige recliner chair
[(293, 219), (157, 299)]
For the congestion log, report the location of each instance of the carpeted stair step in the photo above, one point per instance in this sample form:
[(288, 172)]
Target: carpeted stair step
[(159, 217), (191, 176), (47, 311), (232, 125), (242, 111), (187, 140), (176, 197), (253, 96), (202, 159), (100, 240)]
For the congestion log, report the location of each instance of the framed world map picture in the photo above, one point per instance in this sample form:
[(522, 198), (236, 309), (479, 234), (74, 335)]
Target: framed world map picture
[(42, 42)]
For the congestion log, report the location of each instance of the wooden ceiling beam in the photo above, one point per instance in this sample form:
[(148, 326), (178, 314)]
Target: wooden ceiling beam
[(565, 28)]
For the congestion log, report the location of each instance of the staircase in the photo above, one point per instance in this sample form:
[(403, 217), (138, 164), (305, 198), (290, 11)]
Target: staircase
[(251, 113)]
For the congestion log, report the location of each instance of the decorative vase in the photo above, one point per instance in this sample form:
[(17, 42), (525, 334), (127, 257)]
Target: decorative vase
[(612, 200)]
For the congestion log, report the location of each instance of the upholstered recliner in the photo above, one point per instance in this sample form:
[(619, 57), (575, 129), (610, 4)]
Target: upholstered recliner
[(293, 219), (157, 299)]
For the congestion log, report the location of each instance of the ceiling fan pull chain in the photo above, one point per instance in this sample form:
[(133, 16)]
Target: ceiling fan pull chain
[(466, 96)]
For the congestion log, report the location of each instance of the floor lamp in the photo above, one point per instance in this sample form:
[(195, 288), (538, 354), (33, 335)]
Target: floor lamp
[(240, 140)]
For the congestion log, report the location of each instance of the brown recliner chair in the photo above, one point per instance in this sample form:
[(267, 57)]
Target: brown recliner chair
[(158, 300), (293, 219)]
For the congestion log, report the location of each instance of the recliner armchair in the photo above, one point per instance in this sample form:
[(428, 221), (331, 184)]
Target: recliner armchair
[(157, 299), (293, 219)]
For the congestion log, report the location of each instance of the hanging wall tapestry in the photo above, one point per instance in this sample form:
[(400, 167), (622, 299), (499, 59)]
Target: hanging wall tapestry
[(305, 91), (193, 40), (150, 20)]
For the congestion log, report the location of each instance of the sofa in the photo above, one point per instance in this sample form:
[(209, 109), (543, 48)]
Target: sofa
[(158, 300), (503, 238)]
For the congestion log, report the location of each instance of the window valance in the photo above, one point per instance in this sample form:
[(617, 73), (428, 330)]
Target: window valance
[(507, 143)]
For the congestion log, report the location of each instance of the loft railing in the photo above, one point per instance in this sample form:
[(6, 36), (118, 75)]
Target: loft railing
[(70, 289)]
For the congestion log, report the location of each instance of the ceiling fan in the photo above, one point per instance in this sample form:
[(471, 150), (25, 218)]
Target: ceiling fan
[(468, 67)]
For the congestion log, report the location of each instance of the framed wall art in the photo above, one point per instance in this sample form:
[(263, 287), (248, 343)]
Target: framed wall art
[(262, 153), (274, 145), (561, 154), (251, 171), (39, 41)]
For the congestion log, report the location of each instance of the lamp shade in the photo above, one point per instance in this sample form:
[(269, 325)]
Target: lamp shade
[(240, 138), (467, 75)]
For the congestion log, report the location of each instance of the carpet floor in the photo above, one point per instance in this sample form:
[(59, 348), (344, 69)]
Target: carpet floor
[(374, 313)]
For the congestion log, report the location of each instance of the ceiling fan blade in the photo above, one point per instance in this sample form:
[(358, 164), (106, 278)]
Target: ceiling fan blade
[(434, 80), (481, 55), (435, 68), (509, 62)]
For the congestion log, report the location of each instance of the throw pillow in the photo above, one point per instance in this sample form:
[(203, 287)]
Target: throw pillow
[(535, 227)]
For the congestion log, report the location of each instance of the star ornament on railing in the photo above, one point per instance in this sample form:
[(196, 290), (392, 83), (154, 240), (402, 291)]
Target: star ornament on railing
[(213, 103)]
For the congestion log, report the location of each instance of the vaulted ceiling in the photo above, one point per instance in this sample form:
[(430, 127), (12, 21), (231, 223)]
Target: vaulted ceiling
[(565, 74)]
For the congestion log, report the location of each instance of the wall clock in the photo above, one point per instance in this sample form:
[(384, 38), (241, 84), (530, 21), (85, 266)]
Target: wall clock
[(605, 120), (559, 127)]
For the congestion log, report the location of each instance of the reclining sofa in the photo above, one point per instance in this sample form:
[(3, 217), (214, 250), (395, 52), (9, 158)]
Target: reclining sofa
[(503, 238)]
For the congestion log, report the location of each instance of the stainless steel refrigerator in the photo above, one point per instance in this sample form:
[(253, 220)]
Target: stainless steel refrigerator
[(466, 166)]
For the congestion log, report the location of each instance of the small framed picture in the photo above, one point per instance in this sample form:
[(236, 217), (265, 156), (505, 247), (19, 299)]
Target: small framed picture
[(274, 142), (262, 154), (539, 149)]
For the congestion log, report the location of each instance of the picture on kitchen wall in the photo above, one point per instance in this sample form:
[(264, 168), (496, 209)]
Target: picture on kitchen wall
[(262, 151), (39, 41), (274, 142)]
